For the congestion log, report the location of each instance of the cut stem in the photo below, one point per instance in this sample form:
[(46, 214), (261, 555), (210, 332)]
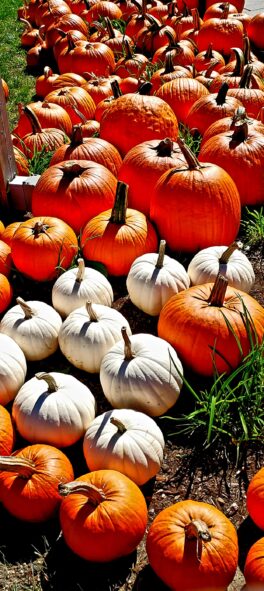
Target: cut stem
[(218, 292), (128, 349), (120, 426), (26, 308), (160, 259), (164, 148), (95, 495), (227, 253), (81, 270), (118, 215), (91, 312), (197, 529)]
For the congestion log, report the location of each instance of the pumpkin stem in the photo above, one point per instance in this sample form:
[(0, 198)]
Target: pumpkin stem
[(246, 78), (221, 96), (118, 215), (240, 133), (109, 28), (39, 228), (209, 52), (225, 12), (197, 529), (164, 148), (52, 385), (211, 67), (240, 62), (144, 88), (116, 89), (196, 19), (23, 466), (28, 25), (218, 292), (192, 161), (128, 50), (128, 349), (77, 136), (81, 270), (120, 426), (168, 66), (91, 312), (25, 307), (47, 72), (227, 253), (73, 168), (81, 115), (95, 495), (160, 259), (239, 115), (34, 122)]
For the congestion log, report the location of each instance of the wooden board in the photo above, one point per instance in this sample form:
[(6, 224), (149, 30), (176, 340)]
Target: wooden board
[(7, 160)]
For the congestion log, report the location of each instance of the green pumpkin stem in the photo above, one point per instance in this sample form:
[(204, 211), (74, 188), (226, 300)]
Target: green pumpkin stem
[(192, 161), (160, 259), (227, 253), (91, 312), (52, 385), (128, 349), (218, 292), (221, 95), (118, 215), (120, 426), (95, 495), (197, 529), (25, 307), (81, 270), (23, 466)]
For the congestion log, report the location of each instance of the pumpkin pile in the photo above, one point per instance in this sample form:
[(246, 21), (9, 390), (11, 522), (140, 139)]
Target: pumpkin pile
[(116, 83)]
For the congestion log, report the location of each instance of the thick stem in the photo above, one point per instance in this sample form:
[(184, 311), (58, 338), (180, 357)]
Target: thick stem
[(95, 495), (39, 228), (23, 466), (115, 89), (160, 259), (218, 292), (77, 136), (73, 169), (120, 426), (52, 385), (128, 51), (34, 122), (81, 270), (164, 148), (240, 62), (209, 52), (240, 133), (144, 88), (118, 215), (191, 159), (246, 78), (91, 312), (168, 66), (109, 28), (128, 349), (247, 50), (25, 307), (221, 96), (227, 253), (239, 115), (197, 529)]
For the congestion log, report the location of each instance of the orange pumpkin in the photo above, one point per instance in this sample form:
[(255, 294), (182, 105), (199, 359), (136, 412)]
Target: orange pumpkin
[(117, 237), (39, 138), (7, 432), (205, 323), (5, 258), (255, 498), (193, 546), (254, 566), (105, 517), (29, 481), (6, 293), (181, 94)]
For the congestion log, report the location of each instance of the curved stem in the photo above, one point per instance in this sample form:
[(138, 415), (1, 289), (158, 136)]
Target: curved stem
[(23, 466), (52, 385), (191, 159), (91, 312), (227, 253), (168, 66), (118, 215), (221, 96), (160, 259), (197, 529), (120, 426), (81, 270), (218, 292), (95, 495), (25, 307), (246, 78), (128, 349), (34, 122), (28, 25), (240, 62)]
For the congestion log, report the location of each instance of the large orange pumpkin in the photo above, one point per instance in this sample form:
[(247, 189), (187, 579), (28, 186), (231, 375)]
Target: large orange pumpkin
[(5, 258), (6, 293), (192, 546), (181, 94), (255, 498), (209, 326), (254, 566), (105, 517), (117, 237)]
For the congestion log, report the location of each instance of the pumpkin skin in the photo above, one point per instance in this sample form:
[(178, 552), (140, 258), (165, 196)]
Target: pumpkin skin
[(74, 191), (181, 94), (7, 433), (109, 528), (142, 373), (199, 330), (48, 114), (223, 33), (190, 564), (34, 326), (255, 30), (13, 369), (138, 444), (6, 293), (47, 239), (78, 285), (209, 109), (53, 408), (5, 258), (207, 263), (34, 496), (207, 194), (254, 565), (255, 498)]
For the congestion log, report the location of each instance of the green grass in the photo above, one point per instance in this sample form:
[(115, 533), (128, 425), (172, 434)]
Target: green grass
[(13, 59), (253, 226)]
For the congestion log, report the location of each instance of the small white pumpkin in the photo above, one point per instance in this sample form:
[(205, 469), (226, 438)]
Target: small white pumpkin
[(34, 326), (88, 333), (142, 372), (53, 408), (74, 287), (228, 261), (125, 440), (153, 279), (13, 369)]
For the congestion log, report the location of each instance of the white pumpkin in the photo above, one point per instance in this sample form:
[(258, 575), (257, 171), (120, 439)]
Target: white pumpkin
[(53, 408), (74, 287), (125, 440), (229, 261), (88, 333), (142, 372), (13, 368), (34, 326), (153, 279)]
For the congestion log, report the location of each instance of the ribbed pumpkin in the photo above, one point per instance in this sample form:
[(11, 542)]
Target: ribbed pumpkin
[(75, 191), (192, 546), (48, 114), (114, 515), (224, 33), (73, 95), (6, 293), (142, 167), (241, 154), (181, 94), (203, 59), (47, 139), (255, 498), (229, 123), (93, 148), (13, 369), (131, 64), (29, 481), (7, 432), (255, 30), (44, 82), (254, 566), (92, 57), (205, 323), (134, 118), (251, 98), (116, 237), (211, 108), (5, 258), (198, 192)]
